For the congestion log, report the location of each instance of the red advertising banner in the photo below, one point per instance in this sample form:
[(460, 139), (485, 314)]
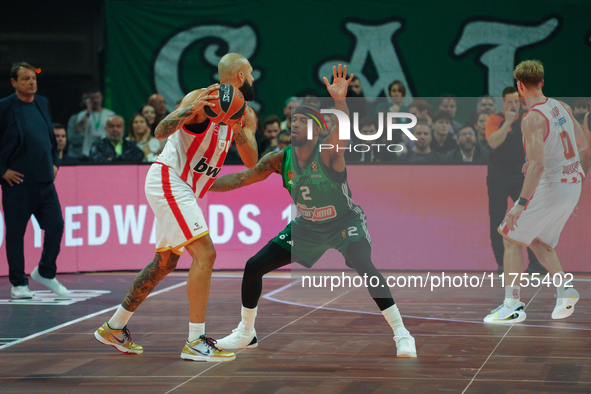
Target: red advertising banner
[(419, 218)]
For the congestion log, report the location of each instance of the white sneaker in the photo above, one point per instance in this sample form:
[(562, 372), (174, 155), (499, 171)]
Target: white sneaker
[(240, 338), (405, 343), (565, 306), (506, 315), (21, 293), (52, 284)]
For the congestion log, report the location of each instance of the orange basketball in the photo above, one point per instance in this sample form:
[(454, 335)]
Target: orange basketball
[(229, 105)]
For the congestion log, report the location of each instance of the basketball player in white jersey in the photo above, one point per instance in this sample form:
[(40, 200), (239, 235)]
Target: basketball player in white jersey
[(186, 168), (551, 190)]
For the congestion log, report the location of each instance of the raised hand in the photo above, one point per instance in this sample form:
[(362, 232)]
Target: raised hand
[(339, 85)]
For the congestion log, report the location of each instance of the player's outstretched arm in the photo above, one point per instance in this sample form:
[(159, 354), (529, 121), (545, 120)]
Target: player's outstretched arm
[(270, 163), (191, 107), (245, 140), (338, 91)]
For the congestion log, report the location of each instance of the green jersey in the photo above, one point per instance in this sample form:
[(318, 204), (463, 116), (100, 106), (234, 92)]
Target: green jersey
[(320, 194)]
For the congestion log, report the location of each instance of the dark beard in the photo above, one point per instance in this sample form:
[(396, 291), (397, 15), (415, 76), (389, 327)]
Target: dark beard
[(247, 91), (298, 142)]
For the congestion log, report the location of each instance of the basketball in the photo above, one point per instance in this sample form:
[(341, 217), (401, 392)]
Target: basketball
[(229, 105)]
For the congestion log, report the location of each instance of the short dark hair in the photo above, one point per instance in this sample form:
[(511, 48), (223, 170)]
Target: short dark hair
[(581, 102), (421, 123), (270, 120), (58, 126), (368, 121), (17, 66), (442, 115), (421, 105), (509, 90), (447, 96), (282, 133)]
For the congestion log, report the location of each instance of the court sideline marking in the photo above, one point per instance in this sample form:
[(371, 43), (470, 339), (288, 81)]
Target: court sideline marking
[(66, 324), (492, 352)]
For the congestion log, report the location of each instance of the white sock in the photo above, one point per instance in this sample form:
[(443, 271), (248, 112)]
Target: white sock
[(392, 315), (196, 330), (512, 295), (248, 316), (120, 318)]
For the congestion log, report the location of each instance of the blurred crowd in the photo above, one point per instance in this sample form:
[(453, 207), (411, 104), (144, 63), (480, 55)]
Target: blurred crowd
[(98, 135)]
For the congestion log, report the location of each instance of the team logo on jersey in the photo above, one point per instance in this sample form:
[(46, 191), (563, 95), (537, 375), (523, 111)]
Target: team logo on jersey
[(290, 175), (317, 214), (554, 112), (204, 167), (314, 166)]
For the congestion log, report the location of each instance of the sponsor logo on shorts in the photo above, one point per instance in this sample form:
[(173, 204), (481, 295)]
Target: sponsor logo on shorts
[(317, 214), (197, 227)]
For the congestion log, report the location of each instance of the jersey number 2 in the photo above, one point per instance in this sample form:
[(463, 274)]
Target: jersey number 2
[(569, 152), (305, 191)]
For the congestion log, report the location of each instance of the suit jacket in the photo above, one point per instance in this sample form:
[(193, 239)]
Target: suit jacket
[(12, 132)]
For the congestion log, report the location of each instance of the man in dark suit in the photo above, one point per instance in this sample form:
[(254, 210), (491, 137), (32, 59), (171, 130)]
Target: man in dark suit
[(28, 165)]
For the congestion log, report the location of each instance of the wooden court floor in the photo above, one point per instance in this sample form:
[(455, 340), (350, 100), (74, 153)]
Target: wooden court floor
[(335, 344)]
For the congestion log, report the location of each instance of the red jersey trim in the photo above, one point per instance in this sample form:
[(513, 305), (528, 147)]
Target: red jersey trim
[(176, 211)]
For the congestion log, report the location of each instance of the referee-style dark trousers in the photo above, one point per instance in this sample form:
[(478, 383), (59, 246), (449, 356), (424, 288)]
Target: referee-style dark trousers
[(19, 203), (501, 185)]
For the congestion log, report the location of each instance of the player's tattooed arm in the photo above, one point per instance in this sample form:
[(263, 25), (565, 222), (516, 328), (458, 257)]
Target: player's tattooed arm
[(245, 140), (191, 107), (270, 163), (148, 278)]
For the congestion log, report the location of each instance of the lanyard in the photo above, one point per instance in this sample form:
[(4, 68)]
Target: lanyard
[(97, 122)]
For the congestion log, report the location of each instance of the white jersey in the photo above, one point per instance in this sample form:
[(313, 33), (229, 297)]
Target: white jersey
[(197, 158), (561, 157)]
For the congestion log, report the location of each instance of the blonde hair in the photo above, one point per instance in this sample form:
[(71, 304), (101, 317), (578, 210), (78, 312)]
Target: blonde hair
[(529, 72)]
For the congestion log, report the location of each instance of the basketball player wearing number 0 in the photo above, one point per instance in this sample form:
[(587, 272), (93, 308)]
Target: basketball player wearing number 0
[(184, 171), (551, 190)]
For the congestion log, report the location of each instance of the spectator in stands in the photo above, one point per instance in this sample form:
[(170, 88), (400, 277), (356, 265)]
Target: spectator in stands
[(62, 145), (443, 140), (290, 105), (395, 101), (369, 126), (467, 150), (90, 125), (505, 177), (114, 148), (479, 124), (449, 104), (422, 110), (581, 106), (421, 153), (157, 101), (149, 113), (139, 132), (271, 128), (486, 104), (283, 139)]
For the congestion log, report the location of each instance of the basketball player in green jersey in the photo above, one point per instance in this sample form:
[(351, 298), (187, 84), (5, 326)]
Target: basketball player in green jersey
[(317, 182)]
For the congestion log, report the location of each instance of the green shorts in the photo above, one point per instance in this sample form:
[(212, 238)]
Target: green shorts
[(309, 241)]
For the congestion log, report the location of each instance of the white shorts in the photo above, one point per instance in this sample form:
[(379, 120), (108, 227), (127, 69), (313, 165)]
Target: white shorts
[(545, 214), (179, 220)]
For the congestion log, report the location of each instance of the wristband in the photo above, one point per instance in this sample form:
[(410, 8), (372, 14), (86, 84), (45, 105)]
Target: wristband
[(522, 201)]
